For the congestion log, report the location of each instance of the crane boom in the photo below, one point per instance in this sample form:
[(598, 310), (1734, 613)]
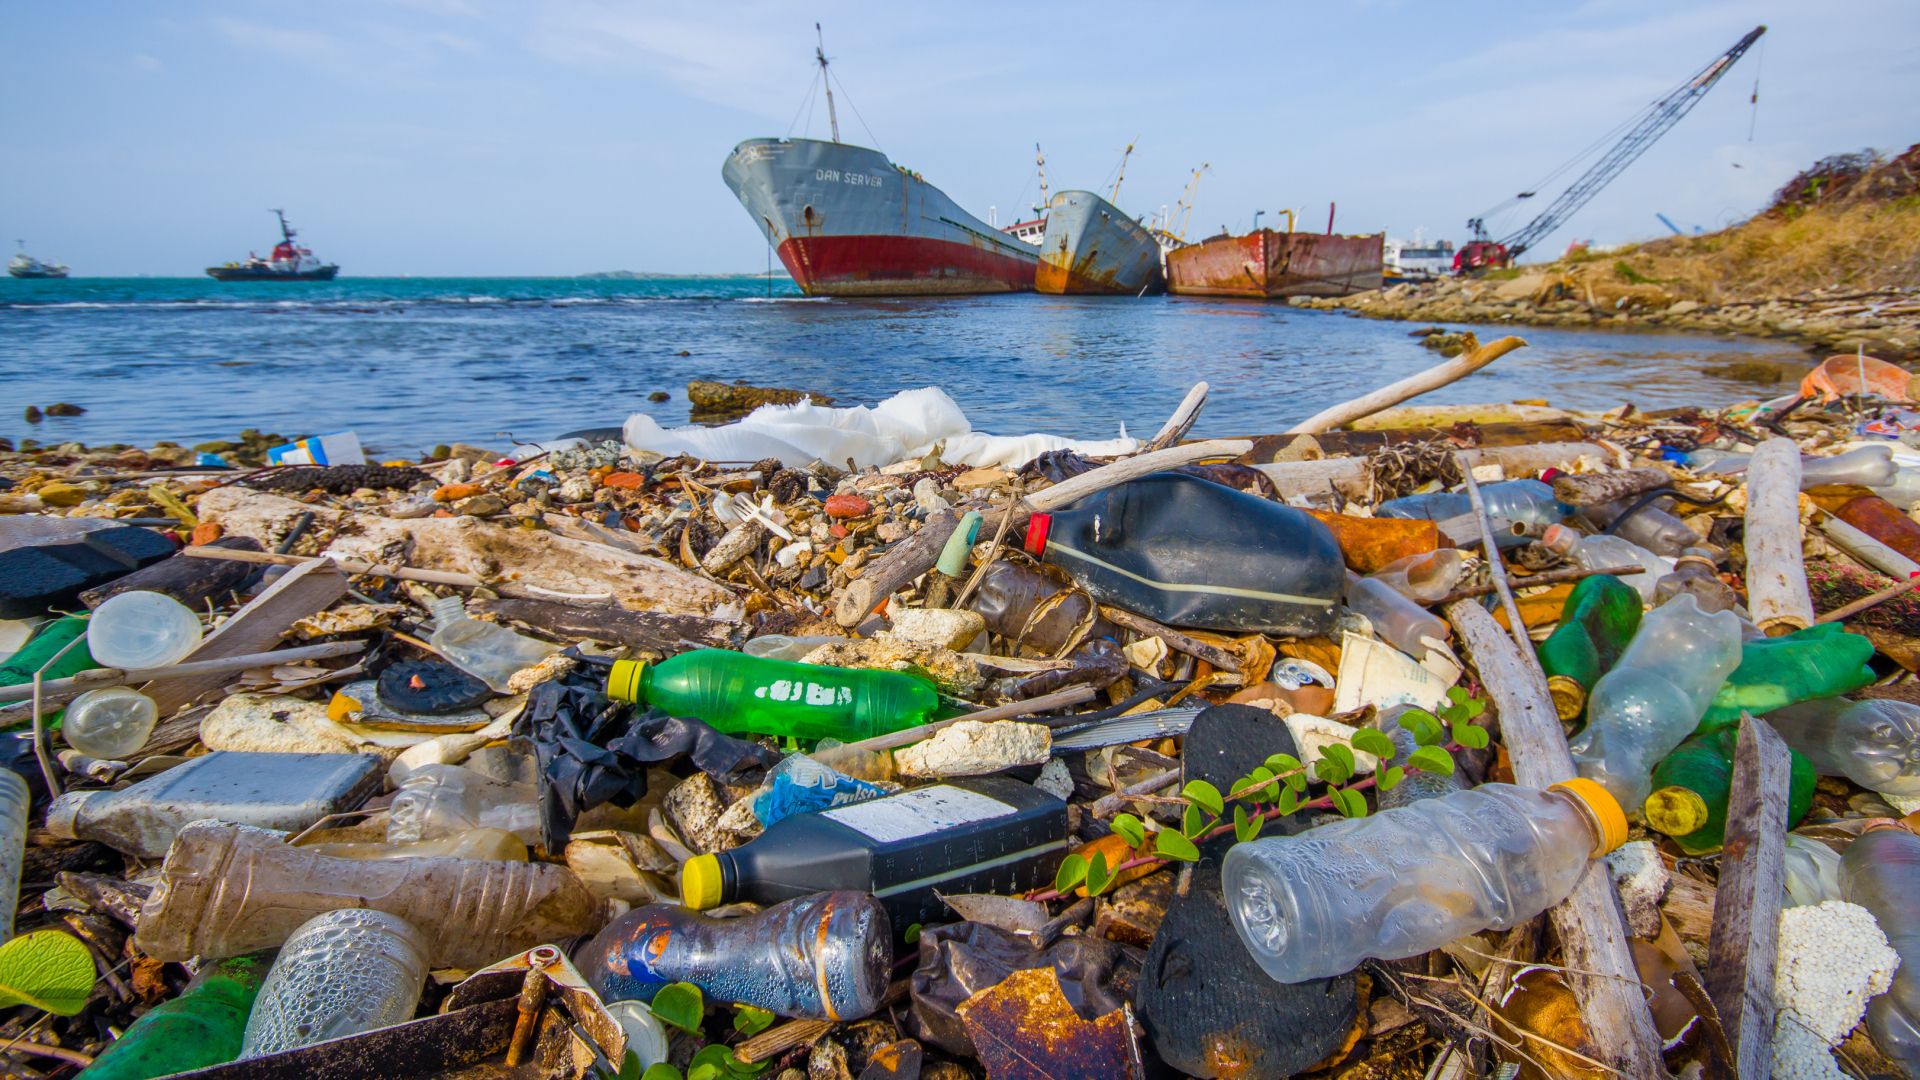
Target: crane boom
[(1652, 123)]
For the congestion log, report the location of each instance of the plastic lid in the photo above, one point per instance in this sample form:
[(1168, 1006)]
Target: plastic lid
[(1037, 528), (1569, 697), (1676, 811), (701, 885), (626, 680), (1605, 809)]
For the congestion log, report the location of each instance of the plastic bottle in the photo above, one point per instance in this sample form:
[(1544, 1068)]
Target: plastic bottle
[(1874, 743), (786, 647), (438, 802), (992, 834), (1653, 698), (142, 630), (1426, 578), (1612, 553), (271, 791), (1820, 661), (1019, 603), (802, 784), (1596, 623), (1867, 466), (1408, 880), (1190, 552), (228, 889), (820, 957), (480, 843), (203, 1026), (1649, 526), (1397, 620), (487, 651), (1813, 872), (339, 974), (1881, 872), (1691, 787), (15, 802), (1883, 521), (43, 647), (1696, 572), (111, 722), (1417, 784), (1528, 503), (1903, 491), (737, 693)]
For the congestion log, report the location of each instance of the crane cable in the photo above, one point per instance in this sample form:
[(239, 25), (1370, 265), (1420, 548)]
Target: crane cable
[(1753, 100)]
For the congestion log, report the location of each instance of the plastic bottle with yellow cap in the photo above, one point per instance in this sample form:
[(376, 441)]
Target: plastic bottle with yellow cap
[(1692, 786), (1408, 880), (736, 693)]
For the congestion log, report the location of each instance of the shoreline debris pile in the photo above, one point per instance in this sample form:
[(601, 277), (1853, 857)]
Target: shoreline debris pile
[(1577, 744)]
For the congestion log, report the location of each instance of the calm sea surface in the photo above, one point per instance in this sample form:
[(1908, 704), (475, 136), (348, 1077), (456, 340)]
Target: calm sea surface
[(411, 362)]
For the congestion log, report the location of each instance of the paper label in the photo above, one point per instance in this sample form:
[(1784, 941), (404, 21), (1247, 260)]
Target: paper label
[(918, 812), (1375, 673)]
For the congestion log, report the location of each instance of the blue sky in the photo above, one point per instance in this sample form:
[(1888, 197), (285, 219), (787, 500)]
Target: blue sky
[(437, 137)]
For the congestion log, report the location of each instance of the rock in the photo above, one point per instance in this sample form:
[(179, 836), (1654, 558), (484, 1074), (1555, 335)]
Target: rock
[(62, 408), (659, 395), (718, 397), (926, 495), (61, 493), (448, 493), (458, 471), (1642, 881), (33, 414), (485, 505), (545, 671), (938, 628), (1683, 307), (974, 479), (1055, 779), (847, 506), (694, 807), (892, 532), (973, 748), (577, 489)]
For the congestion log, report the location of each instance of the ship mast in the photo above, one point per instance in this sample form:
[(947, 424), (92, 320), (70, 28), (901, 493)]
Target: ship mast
[(820, 54), (1128, 152), (286, 231), (1040, 162)]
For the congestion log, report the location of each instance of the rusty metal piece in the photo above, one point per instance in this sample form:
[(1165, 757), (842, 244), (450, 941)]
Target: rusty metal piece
[(1268, 265), (533, 994), (1025, 1029), (561, 981)]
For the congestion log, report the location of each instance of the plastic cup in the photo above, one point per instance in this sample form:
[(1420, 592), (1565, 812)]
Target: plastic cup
[(110, 722)]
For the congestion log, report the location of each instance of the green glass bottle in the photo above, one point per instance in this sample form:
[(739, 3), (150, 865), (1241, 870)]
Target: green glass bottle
[(738, 693), (1691, 787), (1818, 662), (203, 1026), (1600, 617)]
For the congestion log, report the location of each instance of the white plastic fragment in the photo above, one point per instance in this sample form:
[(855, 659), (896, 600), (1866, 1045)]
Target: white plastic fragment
[(1313, 734), (1833, 958)]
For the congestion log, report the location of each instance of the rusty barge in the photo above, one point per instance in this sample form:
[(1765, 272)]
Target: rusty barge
[(1092, 247), (1269, 265)]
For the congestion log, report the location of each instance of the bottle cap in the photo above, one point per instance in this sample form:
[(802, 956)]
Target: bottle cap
[(1607, 815), (1569, 697), (626, 680), (701, 884), (1675, 811), (1037, 528)]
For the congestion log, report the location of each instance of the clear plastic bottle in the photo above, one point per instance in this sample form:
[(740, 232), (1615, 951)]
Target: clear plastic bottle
[(441, 801), (341, 973), (1416, 784), (1611, 553), (1655, 696), (1813, 872), (787, 647), (229, 889), (1650, 526), (1526, 503), (15, 799), (1696, 572), (481, 843), (1409, 880), (111, 722), (1427, 578), (737, 693), (1874, 743), (1881, 872), (487, 651), (1398, 621), (1866, 466), (142, 630), (823, 957), (802, 784)]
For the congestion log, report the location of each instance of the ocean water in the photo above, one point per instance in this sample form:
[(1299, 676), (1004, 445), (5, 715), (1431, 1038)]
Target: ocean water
[(408, 363)]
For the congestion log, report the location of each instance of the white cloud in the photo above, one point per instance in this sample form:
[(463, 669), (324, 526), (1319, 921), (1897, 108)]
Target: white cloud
[(149, 64)]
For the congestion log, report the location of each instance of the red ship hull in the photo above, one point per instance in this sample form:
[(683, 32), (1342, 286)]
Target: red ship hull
[(899, 265)]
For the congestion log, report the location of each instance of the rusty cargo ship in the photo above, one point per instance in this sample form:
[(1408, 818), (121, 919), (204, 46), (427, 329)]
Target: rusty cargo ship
[(1269, 265), (847, 222), (1091, 246)]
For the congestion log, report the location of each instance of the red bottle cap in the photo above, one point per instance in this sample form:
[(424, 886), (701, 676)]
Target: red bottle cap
[(1037, 528)]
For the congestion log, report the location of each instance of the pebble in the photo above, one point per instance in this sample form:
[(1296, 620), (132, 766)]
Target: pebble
[(848, 506), (893, 531), (942, 628), (60, 493), (482, 505), (926, 495), (577, 489), (458, 471)]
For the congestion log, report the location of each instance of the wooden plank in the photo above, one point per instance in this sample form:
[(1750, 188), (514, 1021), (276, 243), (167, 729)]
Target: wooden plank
[(1343, 443), (1412, 386), (1776, 575), (255, 628), (1591, 927), (653, 631), (1746, 908)]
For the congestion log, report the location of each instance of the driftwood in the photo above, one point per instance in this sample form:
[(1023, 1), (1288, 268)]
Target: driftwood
[(1181, 421), (95, 678), (1412, 386), (1220, 658), (1496, 566), (1776, 576), (1349, 474), (1590, 924), (1059, 699), (1746, 909), (649, 631), (193, 582), (255, 628), (1593, 489), (893, 571)]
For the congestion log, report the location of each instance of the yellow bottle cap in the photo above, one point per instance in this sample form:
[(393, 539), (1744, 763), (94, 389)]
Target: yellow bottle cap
[(1605, 809), (1569, 697), (700, 882), (625, 681), (1675, 811)]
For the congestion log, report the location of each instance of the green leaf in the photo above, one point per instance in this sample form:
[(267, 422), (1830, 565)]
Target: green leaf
[(1457, 694), (1297, 782), (1425, 728), (1472, 736), (1350, 803), (1193, 822), (1432, 759), (1282, 764), (1332, 770), (659, 1070), (912, 936), (1369, 741), (1245, 828), (1175, 846), (1073, 871), (750, 1021), (47, 969), (1130, 827), (682, 1005), (1098, 876), (1342, 754), (1289, 801), (716, 1062), (1473, 707), (1205, 796), (1391, 778)]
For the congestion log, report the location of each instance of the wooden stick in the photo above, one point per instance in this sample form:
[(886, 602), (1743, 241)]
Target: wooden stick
[(1590, 925), (1746, 909), (1496, 566), (1200, 650), (255, 628), (95, 678), (1181, 421), (1545, 577), (1412, 386), (1776, 575), (893, 571), (778, 1040), (1059, 699), (1107, 804), (355, 567)]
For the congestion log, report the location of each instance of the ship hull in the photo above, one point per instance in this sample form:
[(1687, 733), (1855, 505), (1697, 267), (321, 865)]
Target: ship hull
[(238, 273), (847, 222), (1270, 265), (1091, 247), (38, 275)]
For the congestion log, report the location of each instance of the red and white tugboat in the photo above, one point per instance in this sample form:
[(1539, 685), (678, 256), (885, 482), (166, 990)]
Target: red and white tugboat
[(289, 262)]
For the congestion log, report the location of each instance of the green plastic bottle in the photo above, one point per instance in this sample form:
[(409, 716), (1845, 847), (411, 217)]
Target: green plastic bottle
[(738, 693), (201, 1027), (53, 637), (1691, 787), (1600, 617), (1818, 662)]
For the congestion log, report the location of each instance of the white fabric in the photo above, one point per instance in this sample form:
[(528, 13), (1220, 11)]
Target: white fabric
[(906, 425)]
